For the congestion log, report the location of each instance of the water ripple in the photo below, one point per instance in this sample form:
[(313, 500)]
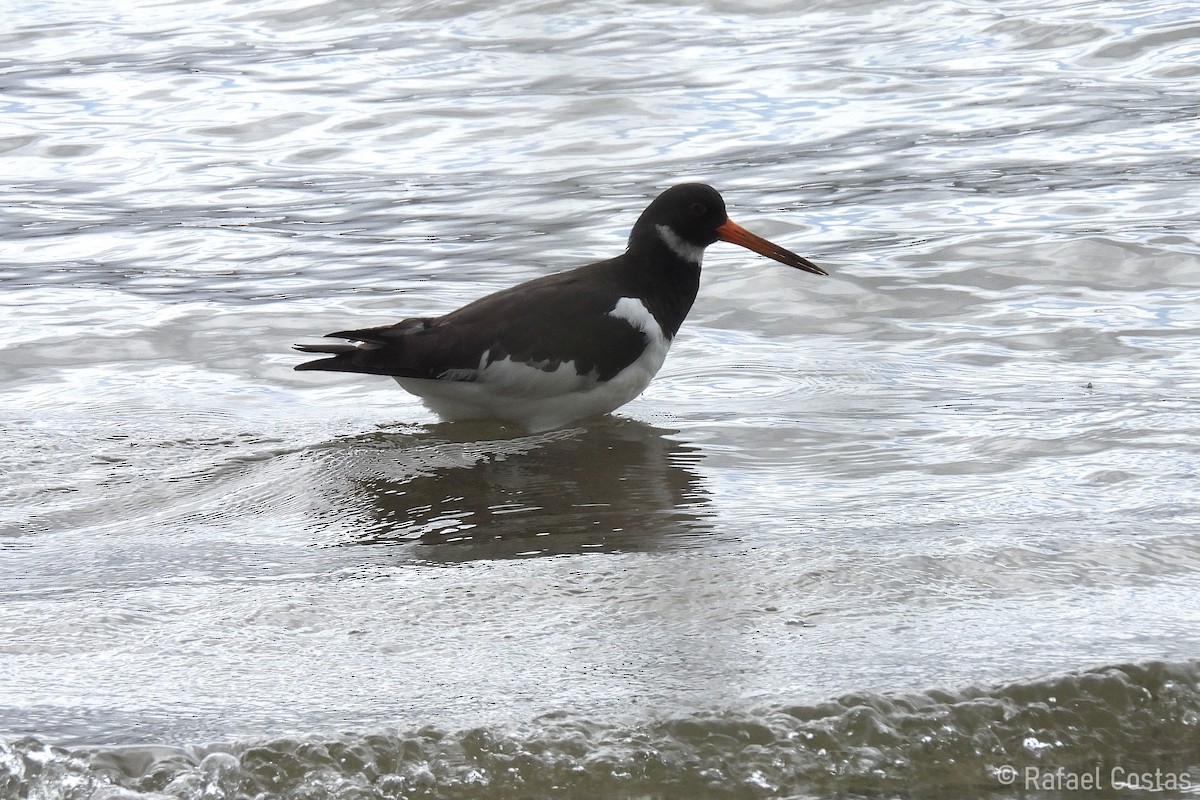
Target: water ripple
[(983, 420)]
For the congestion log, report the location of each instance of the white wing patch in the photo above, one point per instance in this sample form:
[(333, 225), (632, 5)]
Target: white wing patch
[(633, 379), (518, 379), (521, 378)]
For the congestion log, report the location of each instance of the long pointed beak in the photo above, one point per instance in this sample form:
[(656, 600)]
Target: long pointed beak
[(730, 231)]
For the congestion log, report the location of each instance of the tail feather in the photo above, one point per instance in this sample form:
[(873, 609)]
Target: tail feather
[(324, 348), (412, 348), (385, 334), (379, 354), (341, 361), (368, 335), (369, 358)]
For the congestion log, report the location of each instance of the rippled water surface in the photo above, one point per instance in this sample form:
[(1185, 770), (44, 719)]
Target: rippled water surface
[(882, 533)]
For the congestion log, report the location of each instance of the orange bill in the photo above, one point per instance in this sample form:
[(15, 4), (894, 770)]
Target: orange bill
[(730, 231)]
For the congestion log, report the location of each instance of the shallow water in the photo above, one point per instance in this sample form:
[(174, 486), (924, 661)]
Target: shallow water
[(881, 533)]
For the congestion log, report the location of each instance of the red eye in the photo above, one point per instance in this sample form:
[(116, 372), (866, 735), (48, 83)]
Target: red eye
[(699, 209)]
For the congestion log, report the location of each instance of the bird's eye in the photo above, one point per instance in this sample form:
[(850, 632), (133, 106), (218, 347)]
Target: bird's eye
[(699, 209)]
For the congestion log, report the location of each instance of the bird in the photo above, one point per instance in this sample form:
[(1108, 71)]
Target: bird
[(566, 346)]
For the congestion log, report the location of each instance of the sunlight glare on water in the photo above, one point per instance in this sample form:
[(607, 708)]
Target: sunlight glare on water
[(882, 532)]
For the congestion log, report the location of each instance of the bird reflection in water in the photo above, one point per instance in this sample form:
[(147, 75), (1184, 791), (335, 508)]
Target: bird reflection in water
[(473, 493)]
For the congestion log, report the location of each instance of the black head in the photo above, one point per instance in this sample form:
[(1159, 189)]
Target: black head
[(692, 211), (689, 217)]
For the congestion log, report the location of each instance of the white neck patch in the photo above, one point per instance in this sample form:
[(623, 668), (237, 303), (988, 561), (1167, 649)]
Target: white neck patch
[(685, 250)]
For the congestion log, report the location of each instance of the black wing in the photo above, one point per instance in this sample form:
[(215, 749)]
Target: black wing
[(545, 322)]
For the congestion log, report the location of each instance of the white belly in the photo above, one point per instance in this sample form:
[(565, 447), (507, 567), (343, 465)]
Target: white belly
[(538, 400)]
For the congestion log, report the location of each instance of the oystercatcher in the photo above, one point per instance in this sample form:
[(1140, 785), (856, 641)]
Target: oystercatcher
[(562, 347)]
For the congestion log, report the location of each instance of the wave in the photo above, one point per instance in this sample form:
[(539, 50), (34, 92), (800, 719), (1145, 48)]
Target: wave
[(1124, 720)]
